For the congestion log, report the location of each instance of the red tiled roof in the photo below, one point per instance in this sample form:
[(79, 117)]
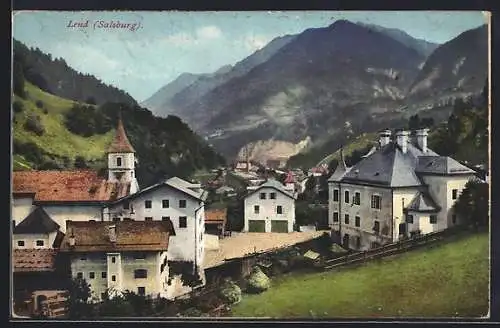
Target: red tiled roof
[(120, 143), (130, 236), (215, 215), (68, 186), (33, 260), (289, 178)]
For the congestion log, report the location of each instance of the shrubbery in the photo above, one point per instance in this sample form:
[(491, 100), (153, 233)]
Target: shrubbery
[(39, 104), (34, 125), (230, 292), (17, 106), (257, 281)]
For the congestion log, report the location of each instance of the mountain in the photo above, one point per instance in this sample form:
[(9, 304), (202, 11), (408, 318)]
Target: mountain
[(458, 67), (321, 80), (163, 96), (56, 77), (181, 101), (424, 47)]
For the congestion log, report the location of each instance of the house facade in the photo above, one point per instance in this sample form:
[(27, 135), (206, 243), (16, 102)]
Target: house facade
[(399, 188), (114, 257), (269, 207), (181, 204)]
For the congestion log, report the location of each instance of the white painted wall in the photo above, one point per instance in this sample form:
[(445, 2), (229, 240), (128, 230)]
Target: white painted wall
[(62, 213), (267, 208), (401, 199), (21, 208), (123, 269), (31, 239)]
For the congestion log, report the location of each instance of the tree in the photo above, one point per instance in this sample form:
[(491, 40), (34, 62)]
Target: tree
[(80, 162), (18, 77), (91, 101), (78, 302), (473, 203)]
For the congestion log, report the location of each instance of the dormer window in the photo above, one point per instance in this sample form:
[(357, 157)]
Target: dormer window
[(118, 161)]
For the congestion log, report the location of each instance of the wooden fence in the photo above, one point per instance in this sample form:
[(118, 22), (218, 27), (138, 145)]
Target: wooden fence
[(390, 249), (54, 306)]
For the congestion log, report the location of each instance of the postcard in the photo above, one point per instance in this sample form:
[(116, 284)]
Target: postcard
[(269, 164)]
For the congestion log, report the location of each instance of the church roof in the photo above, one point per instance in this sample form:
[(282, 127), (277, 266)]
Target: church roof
[(120, 143), (67, 186), (37, 221)]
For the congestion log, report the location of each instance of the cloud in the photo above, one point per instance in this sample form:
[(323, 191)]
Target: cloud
[(84, 57), (208, 32), (180, 39), (256, 42)]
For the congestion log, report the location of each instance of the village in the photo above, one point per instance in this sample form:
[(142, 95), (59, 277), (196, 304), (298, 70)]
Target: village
[(177, 238)]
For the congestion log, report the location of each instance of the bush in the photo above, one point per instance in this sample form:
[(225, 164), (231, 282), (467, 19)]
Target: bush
[(257, 281), (231, 292), (34, 125), (39, 104), (116, 307), (192, 312), (17, 106)]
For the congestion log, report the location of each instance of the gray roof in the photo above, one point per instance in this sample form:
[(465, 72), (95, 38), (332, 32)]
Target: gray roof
[(193, 190), (272, 183), (423, 202), (37, 221), (441, 165), (340, 172)]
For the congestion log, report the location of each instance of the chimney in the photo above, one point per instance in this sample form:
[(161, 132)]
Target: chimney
[(402, 140), (112, 233), (422, 139), (385, 137)]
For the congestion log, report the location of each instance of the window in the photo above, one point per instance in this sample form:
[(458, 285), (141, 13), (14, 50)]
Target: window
[(103, 296), (346, 196), (147, 204), (346, 219), (272, 195), (358, 242), (113, 278), (118, 161), (454, 218), (91, 275), (182, 203), (165, 218), (39, 243), (83, 258), (115, 219), (113, 259), (256, 209), (433, 219), (104, 275), (140, 274), (279, 209), (262, 195), (148, 218), (20, 243), (165, 203), (139, 256), (182, 221), (357, 221), (79, 275), (127, 219), (335, 216), (454, 194), (376, 226), (409, 218), (376, 200), (357, 198), (336, 195), (141, 291), (126, 205)]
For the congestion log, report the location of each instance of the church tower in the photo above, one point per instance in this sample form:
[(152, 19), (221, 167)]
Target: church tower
[(121, 159)]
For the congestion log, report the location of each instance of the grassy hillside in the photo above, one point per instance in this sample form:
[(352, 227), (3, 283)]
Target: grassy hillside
[(444, 280), (56, 140), (360, 142)]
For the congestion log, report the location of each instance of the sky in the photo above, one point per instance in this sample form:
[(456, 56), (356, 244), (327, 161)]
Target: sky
[(166, 44)]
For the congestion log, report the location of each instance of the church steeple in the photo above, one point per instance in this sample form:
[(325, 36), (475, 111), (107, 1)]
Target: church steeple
[(121, 159)]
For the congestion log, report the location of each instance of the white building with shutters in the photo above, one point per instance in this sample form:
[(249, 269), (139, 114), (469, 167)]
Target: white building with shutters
[(269, 207)]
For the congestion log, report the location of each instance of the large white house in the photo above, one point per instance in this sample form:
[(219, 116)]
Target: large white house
[(269, 207), (114, 257), (178, 202), (399, 188), (77, 195)]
